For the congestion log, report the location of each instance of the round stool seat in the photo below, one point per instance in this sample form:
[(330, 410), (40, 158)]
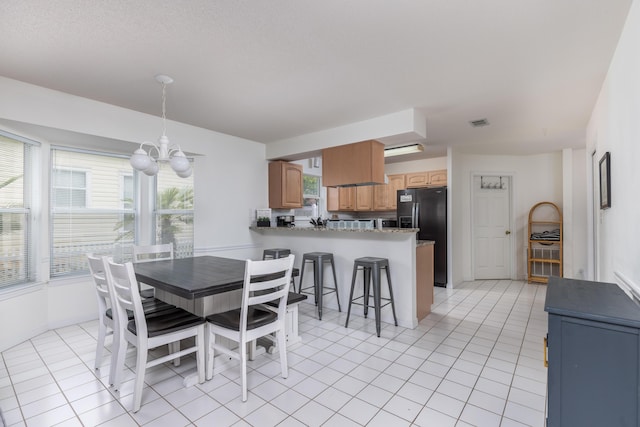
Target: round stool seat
[(275, 253)]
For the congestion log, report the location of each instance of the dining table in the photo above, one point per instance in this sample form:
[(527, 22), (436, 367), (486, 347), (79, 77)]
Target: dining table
[(205, 285)]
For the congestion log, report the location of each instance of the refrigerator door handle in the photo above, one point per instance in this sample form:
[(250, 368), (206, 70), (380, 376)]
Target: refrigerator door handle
[(415, 215)]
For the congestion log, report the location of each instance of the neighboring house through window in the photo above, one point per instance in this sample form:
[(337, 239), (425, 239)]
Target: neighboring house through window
[(90, 212), (16, 176)]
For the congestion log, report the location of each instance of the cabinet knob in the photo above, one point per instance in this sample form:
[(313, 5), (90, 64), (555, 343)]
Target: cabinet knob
[(507, 232)]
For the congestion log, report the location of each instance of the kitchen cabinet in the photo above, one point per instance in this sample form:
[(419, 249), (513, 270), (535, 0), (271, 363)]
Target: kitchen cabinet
[(350, 198), (593, 345), (424, 280), (359, 163), (285, 185), (438, 178), (417, 179), (347, 198), (435, 178), (364, 198), (333, 199), (384, 196)]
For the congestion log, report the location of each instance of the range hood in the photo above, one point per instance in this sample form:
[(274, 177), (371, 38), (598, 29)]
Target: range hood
[(360, 163)]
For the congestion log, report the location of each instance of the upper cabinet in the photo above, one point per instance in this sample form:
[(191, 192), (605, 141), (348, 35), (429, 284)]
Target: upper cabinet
[(360, 163), (384, 196), (436, 178), (285, 185)]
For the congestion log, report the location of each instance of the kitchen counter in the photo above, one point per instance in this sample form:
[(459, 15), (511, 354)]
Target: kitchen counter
[(335, 230), (398, 245)]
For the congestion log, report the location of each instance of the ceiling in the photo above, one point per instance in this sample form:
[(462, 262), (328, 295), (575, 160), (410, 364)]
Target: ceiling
[(273, 70)]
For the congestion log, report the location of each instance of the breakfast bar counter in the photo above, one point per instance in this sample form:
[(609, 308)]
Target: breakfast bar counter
[(398, 245)]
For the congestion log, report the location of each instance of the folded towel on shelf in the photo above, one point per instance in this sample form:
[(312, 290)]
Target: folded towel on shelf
[(546, 235)]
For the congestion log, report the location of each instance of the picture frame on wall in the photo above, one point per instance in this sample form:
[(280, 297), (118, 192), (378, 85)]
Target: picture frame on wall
[(605, 181)]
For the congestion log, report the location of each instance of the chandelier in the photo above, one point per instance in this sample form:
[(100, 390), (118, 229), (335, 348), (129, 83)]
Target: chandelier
[(145, 162)]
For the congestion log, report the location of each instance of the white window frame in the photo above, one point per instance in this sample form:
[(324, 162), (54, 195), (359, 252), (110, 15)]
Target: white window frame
[(27, 258)]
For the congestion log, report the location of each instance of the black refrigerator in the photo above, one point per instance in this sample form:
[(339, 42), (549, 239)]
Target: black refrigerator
[(426, 209)]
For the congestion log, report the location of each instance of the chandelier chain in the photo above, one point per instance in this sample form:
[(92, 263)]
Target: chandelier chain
[(164, 109)]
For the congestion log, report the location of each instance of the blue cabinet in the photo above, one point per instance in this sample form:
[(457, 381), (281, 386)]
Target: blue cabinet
[(593, 353)]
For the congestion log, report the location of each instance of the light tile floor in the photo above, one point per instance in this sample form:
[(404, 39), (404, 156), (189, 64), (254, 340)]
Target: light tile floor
[(476, 360)]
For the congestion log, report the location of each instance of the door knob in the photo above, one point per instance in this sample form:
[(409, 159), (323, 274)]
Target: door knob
[(507, 232)]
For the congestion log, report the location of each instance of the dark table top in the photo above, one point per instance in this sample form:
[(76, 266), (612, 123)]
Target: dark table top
[(194, 277)]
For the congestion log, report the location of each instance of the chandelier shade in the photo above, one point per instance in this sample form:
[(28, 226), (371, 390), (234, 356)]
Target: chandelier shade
[(147, 161)]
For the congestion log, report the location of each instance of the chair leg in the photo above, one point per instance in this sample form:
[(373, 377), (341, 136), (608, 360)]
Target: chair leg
[(282, 348), (243, 367), (211, 339), (141, 367), (200, 365), (117, 364), (174, 347), (102, 333)]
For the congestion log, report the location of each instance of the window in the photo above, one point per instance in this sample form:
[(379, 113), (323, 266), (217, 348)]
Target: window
[(310, 196), (90, 210), (174, 211), (69, 188), (16, 160)]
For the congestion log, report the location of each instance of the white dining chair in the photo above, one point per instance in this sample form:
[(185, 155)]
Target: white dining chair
[(146, 332), (264, 282), (149, 253), (108, 323)]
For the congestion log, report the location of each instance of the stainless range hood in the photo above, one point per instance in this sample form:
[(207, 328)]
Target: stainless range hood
[(360, 163)]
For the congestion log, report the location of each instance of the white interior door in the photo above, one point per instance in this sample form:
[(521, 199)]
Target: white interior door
[(491, 227)]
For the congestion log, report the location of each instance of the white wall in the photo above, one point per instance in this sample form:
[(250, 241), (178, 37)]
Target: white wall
[(536, 178), (229, 180), (615, 127)]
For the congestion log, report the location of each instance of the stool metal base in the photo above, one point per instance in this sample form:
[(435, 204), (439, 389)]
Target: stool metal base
[(371, 266), (318, 259)]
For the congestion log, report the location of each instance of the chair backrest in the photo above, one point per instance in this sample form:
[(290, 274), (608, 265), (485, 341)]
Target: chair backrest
[(152, 253), (105, 298), (122, 279), (266, 281)]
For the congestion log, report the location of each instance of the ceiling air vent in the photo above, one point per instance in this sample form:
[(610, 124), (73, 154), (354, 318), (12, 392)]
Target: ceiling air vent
[(479, 123)]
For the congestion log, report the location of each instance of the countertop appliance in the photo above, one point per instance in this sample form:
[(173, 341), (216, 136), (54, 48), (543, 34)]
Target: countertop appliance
[(285, 220), (426, 209)]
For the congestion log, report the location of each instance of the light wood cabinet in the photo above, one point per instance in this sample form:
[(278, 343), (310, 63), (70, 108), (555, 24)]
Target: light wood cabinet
[(285, 185), (424, 280), (364, 198), (435, 178), (384, 196), (347, 198), (438, 178), (350, 164), (417, 179), (381, 197), (333, 199)]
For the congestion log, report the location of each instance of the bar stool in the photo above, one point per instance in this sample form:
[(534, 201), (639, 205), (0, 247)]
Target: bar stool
[(371, 267), (275, 253), (318, 259)]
